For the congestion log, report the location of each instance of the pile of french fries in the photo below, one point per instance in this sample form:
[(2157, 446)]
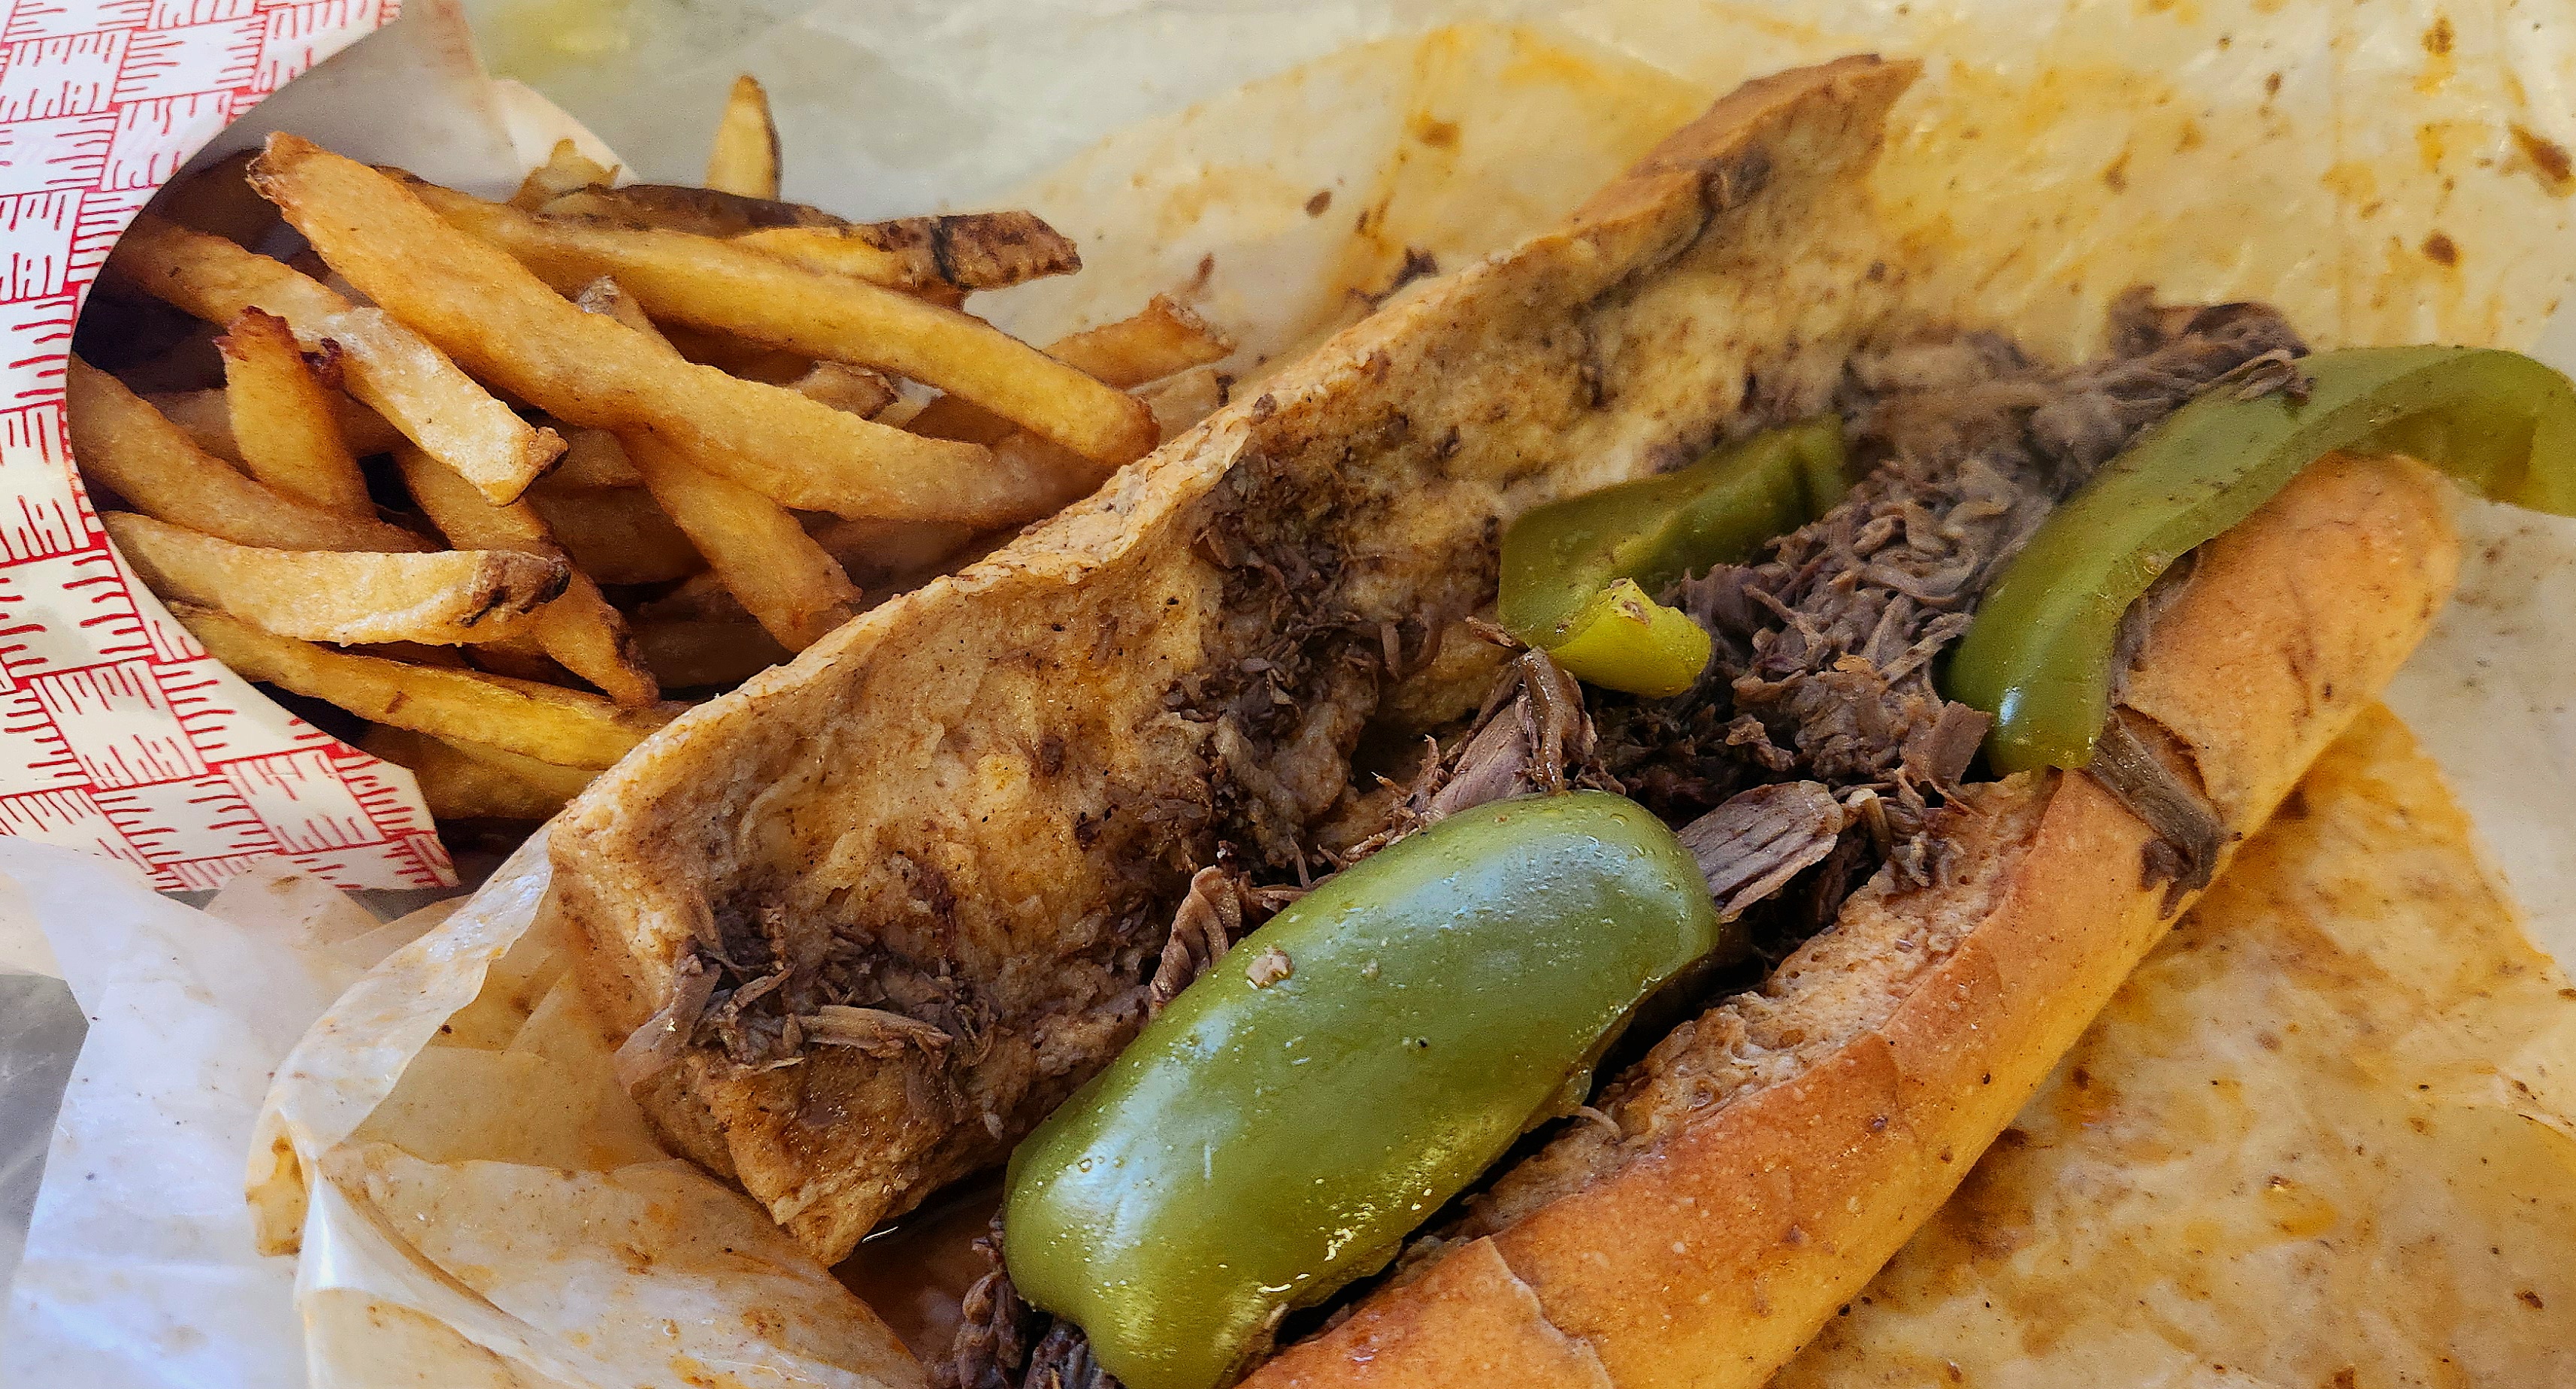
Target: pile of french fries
[(497, 477)]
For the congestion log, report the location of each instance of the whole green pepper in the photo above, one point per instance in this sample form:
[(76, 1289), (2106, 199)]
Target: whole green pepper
[(2038, 656), (1559, 561), (1271, 1137)]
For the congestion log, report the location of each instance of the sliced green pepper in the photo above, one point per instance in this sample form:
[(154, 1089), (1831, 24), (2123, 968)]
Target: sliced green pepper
[(2039, 654), (1624, 640), (1264, 1143), (1559, 560)]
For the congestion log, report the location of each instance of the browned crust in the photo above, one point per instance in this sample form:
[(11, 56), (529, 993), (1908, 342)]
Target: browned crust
[(932, 735), (1710, 1256)]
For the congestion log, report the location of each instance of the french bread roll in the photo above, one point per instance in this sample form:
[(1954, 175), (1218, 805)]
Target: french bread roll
[(1766, 1158)]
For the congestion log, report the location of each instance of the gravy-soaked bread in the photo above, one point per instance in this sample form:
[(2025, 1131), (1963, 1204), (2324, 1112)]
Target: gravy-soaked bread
[(1764, 1160), (976, 806)]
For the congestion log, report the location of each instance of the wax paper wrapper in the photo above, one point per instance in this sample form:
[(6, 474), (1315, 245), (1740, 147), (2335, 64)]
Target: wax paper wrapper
[(473, 1201)]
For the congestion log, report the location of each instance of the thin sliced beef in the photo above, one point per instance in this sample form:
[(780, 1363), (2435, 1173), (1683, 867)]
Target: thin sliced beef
[(1815, 750), (1826, 646), (1750, 847)]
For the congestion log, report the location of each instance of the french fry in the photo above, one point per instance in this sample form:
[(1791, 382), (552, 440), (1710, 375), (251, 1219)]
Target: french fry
[(579, 629), (745, 158), (393, 369), (890, 554), (521, 657), (735, 357), (545, 722), (283, 422), (463, 781), (504, 323), (340, 596), (617, 535), (1183, 399), (1165, 337), (412, 653), (592, 460), (126, 446), (939, 258), (709, 283), (689, 653), (843, 387), (760, 551), (785, 580), (219, 200), (208, 418), (186, 364), (565, 170)]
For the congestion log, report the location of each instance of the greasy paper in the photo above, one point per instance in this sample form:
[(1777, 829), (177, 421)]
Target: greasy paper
[(474, 1202), (2323, 1137)]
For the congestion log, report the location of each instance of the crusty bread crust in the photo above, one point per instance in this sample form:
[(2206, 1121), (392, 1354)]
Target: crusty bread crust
[(920, 791), (1725, 1225)]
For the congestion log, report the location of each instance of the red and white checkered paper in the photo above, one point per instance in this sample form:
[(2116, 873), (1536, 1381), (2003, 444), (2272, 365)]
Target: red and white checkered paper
[(118, 733)]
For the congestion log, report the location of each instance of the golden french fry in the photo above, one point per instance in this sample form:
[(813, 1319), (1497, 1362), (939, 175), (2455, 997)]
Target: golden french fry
[(698, 598), (208, 418), (958, 253), (745, 158), (388, 366), (755, 546), (412, 652), (843, 387), (785, 580), (1184, 398), (521, 657), (185, 365), (1165, 337), (565, 170), (336, 595), (546, 722), (282, 416), (125, 445), (617, 535), (888, 554), (463, 781), (722, 285), (735, 357), (592, 460), (579, 629), (219, 200), (939, 258), (691, 653), (505, 324)]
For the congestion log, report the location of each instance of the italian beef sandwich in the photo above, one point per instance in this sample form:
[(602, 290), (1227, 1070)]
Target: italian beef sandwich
[(1540, 843)]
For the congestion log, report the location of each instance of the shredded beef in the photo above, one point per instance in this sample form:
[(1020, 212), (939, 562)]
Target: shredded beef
[(1826, 645), (1815, 750), (1206, 924), (1750, 847), (1004, 1343)]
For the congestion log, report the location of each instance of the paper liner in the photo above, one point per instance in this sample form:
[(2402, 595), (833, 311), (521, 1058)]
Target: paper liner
[(118, 734), (435, 1143)]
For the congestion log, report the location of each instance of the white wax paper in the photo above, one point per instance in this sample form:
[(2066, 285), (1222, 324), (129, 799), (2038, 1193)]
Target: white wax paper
[(2055, 152)]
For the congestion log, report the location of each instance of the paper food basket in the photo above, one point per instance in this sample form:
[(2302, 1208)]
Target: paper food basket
[(119, 735)]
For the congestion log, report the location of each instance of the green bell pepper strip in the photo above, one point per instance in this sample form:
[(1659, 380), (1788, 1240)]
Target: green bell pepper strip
[(1258, 1147), (2038, 656), (1559, 560)]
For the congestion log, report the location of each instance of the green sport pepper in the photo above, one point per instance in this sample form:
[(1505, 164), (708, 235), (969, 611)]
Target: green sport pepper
[(1560, 561), (2038, 656), (1262, 1144)]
